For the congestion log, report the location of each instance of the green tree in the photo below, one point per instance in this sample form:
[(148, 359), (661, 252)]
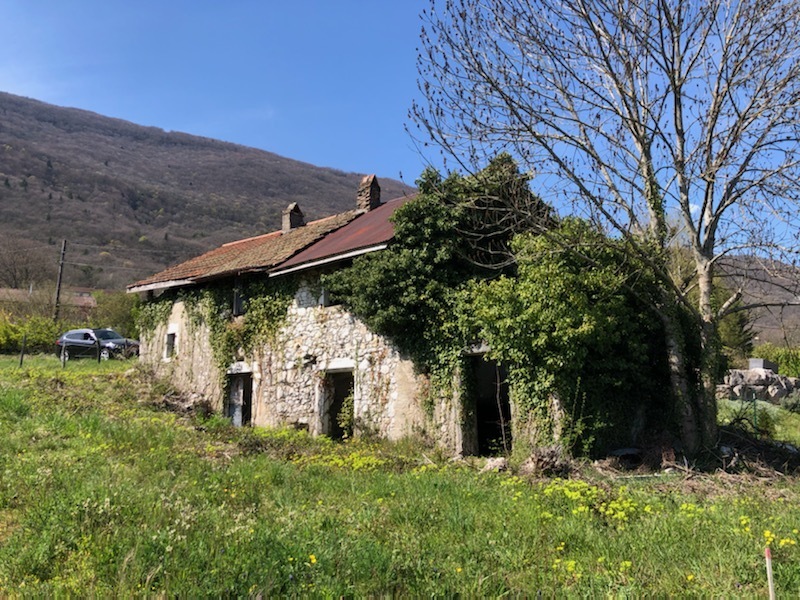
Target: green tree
[(456, 229), (586, 357), (116, 310), (635, 113)]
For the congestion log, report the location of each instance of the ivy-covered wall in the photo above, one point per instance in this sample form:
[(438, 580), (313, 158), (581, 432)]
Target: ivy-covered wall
[(191, 366), (289, 343)]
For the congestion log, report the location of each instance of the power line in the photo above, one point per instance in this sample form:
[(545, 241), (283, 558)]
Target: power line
[(106, 248), (25, 250), (109, 267)]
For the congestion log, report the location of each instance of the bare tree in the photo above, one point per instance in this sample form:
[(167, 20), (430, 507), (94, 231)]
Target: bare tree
[(637, 114), (24, 262)]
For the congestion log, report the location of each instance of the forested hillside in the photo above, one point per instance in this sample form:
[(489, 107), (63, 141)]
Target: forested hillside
[(131, 199)]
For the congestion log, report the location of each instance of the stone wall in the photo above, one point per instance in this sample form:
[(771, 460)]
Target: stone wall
[(289, 374), (190, 368), (319, 340)]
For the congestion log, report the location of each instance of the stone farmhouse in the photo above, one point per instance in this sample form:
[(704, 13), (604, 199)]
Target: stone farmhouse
[(323, 361)]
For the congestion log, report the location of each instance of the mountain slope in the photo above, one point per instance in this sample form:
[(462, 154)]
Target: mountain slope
[(131, 200)]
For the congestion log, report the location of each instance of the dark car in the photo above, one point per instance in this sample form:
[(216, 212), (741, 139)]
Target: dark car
[(85, 343)]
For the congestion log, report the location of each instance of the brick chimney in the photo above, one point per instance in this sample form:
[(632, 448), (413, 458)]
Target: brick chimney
[(292, 217), (369, 194)]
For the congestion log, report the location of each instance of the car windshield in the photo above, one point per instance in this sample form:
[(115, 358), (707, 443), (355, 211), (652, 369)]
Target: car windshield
[(107, 334)]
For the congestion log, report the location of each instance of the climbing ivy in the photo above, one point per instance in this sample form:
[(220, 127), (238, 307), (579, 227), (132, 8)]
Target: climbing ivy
[(152, 314), (573, 325), (569, 320), (265, 307), (452, 233), (410, 291)]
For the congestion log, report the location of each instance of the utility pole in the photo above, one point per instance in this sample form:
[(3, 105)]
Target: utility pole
[(58, 283)]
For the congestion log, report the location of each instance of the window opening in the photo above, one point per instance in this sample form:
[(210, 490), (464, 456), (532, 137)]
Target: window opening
[(169, 351), (238, 301)]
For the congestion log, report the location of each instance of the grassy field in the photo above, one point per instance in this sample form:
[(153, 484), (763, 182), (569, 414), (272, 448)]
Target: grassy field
[(105, 492)]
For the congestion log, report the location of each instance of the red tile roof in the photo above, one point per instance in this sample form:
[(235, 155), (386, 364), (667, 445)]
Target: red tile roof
[(370, 229), (256, 253), (320, 240)]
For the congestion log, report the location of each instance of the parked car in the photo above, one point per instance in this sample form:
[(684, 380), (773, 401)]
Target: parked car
[(83, 343)]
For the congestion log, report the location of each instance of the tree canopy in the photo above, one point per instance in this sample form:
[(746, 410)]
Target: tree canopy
[(666, 122), (582, 348)]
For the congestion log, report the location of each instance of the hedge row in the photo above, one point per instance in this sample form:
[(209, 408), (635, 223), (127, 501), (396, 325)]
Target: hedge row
[(39, 332)]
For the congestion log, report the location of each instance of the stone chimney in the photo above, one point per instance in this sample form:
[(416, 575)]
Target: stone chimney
[(292, 217), (369, 194)]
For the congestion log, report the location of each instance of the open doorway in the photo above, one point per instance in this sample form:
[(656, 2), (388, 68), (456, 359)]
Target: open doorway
[(492, 408), (337, 404), (239, 407)]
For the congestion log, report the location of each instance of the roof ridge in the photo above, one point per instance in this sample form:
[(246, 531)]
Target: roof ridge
[(279, 232)]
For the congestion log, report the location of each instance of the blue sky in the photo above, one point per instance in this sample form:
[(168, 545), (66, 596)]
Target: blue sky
[(326, 82)]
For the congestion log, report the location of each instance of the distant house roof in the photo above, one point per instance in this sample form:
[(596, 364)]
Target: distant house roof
[(305, 246), (78, 297)]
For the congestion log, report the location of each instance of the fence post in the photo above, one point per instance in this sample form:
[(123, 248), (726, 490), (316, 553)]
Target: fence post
[(22, 351)]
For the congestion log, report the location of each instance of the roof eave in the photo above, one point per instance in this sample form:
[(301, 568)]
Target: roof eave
[(328, 260), (160, 285)]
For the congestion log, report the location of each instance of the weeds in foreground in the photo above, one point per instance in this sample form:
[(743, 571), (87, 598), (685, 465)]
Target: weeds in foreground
[(102, 494)]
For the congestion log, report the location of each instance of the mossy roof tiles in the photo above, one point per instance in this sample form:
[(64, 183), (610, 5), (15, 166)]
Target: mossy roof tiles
[(251, 254)]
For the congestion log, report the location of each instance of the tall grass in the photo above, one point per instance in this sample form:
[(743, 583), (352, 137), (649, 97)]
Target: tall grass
[(102, 493)]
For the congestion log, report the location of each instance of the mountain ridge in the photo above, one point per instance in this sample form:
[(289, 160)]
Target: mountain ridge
[(133, 199)]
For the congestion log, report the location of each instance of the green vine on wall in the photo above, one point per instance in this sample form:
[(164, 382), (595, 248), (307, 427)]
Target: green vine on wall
[(152, 314), (452, 233), (265, 308), (568, 318)]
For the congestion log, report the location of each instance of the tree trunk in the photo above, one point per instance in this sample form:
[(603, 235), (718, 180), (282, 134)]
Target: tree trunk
[(709, 360), (682, 388), (694, 399)]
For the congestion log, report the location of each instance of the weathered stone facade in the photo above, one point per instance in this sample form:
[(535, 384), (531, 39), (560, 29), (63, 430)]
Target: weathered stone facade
[(291, 377), (319, 340), (187, 360)]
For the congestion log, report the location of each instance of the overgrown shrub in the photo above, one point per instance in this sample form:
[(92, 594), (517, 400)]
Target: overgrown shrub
[(791, 402), (40, 332), (787, 359), (574, 328), (10, 334)]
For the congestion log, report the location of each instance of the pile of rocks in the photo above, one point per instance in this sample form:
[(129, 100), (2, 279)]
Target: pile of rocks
[(762, 382)]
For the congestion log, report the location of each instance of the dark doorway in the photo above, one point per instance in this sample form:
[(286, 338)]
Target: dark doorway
[(337, 421), (492, 406), (240, 399)]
